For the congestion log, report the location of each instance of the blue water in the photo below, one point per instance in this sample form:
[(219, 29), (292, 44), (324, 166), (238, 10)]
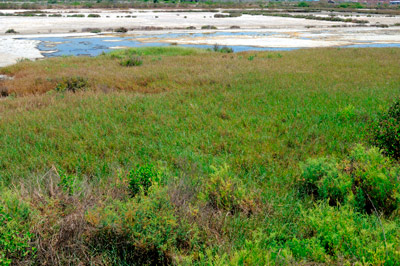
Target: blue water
[(92, 46)]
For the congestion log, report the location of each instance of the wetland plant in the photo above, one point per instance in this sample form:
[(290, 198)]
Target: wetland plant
[(133, 60)]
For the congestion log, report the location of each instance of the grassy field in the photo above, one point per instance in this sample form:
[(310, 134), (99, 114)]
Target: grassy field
[(222, 136)]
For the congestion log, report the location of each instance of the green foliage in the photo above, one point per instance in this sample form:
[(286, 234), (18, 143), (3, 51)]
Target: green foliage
[(72, 84), (143, 231), (141, 179), (385, 132), (131, 61), (224, 192), (68, 183), (303, 4), (367, 180), (328, 233), (351, 5), (223, 49), (15, 237)]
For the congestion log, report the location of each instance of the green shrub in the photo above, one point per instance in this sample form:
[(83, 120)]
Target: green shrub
[(73, 84), (11, 31), (386, 131), (131, 61), (224, 192), (141, 178), (143, 231), (303, 4), (313, 171), (375, 181), (223, 49), (367, 180), (329, 233), (93, 16), (15, 238)]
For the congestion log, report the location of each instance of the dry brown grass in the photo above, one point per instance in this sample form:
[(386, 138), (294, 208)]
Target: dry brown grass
[(161, 74)]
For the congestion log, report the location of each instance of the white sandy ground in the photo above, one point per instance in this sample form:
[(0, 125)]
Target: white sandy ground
[(285, 32)]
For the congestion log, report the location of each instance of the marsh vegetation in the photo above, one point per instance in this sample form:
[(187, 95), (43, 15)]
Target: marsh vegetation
[(197, 157)]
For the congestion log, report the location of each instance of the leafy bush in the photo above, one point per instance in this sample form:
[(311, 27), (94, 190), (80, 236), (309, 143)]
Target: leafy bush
[(15, 237), (132, 61), (72, 84), (367, 180), (328, 233), (223, 192), (386, 131), (141, 178), (141, 232)]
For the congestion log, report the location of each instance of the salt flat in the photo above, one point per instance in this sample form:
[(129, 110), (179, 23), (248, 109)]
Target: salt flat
[(160, 26)]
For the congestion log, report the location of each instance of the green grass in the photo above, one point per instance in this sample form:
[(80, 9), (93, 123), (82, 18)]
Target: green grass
[(260, 118)]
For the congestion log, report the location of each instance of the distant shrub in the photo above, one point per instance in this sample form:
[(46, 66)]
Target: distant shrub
[(132, 60), (96, 30), (191, 28), (303, 4), (208, 27), (76, 16), (11, 31), (73, 84), (55, 15), (367, 181), (93, 16), (141, 179), (121, 30), (385, 132), (223, 49), (234, 27), (221, 15)]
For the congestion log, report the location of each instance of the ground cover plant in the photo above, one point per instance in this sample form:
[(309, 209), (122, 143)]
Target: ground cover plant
[(197, 157)]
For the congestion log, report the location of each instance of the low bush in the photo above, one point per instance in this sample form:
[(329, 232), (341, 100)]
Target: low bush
[(224, 192), (121, 30), (93, 16), (223, 49), (141, 178), (143, 231), (11, 31), (367, 180), (208, 27), (15, 238), (328, 234), (132, 60), (385, 132), (72, 84)]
